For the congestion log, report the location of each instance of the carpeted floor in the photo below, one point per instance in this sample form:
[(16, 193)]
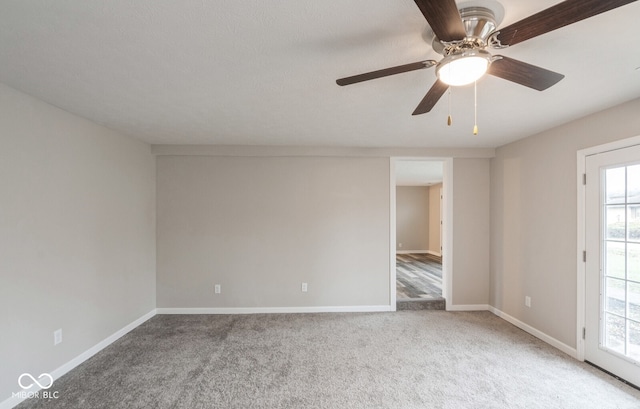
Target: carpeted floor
[(408, 359)]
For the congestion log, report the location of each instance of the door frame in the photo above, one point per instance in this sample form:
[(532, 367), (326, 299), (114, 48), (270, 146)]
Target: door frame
[(446, 241), (581, 231)]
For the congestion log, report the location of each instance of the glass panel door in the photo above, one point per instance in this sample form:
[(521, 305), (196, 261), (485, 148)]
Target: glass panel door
[(621, 242), (612, 296)]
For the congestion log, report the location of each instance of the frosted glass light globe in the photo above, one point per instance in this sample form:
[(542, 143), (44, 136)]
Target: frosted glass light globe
[(463, 68)]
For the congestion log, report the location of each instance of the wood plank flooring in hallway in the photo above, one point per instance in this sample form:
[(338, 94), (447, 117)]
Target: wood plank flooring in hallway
[(418, 276)]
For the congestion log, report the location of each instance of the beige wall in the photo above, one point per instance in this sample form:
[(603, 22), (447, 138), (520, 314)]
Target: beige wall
[(412, 218), (471, 232), (77, 235), (260, 226), (533, 219), (434, 218)]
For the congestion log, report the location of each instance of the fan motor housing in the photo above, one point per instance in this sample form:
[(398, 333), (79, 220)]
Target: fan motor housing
[(479, 23)]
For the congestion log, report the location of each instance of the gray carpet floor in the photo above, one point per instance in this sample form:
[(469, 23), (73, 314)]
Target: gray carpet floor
[(407, 359)]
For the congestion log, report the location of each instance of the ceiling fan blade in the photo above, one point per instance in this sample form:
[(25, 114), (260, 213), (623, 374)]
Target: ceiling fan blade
[(432, 97), (524, 74), (443, 18), (386, 72), (560, 15)]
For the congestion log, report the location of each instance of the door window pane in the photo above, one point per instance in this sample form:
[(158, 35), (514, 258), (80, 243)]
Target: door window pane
[(633, 184), (615, 257), (633, 262), (615, 185), (633, 296), (614, 333), (633, 349), (615, 299), (633, 222), (615, 222)]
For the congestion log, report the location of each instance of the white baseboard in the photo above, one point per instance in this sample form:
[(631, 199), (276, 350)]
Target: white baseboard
[(434, 253), (536, 333), (275, 310), (60, 371), (469, 307)]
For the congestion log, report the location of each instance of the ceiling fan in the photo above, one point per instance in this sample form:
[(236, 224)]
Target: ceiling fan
[(463, 37)]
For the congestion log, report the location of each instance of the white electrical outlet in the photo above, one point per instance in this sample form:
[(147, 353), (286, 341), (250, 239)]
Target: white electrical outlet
[(57, 336), (400, 245), (304, 287), (527, 301), (217, 289)]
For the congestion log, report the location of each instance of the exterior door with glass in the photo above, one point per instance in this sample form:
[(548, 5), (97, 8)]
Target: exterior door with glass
[(612, 299)]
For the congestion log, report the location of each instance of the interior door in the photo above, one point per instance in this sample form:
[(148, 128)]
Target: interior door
[(612, 211)]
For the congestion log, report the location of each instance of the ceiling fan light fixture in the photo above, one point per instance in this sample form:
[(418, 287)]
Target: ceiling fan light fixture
[(463, 68)]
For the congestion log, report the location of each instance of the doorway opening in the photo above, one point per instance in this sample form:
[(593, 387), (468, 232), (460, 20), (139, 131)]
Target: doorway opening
[(418, 246)]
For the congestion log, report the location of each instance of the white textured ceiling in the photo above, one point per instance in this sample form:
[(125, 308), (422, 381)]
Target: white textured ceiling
[(255, 72)]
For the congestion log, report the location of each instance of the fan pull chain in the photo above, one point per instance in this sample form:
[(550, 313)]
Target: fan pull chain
[(449, 120), (475, 107)]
